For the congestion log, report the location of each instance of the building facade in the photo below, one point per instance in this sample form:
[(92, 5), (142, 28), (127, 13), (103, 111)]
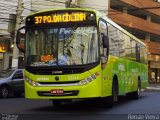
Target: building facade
[(142, 19), (139, 17), (39, 5), (8, 11)]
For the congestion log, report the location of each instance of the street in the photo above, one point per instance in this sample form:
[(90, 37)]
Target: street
[(147, 104)]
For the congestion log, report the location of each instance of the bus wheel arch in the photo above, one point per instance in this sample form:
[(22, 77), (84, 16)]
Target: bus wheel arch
[(110, 100)]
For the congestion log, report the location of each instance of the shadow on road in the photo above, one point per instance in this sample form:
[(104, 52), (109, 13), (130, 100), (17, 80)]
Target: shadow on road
[(84, 106)]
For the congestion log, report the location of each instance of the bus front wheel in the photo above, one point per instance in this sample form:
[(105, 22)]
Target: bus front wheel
[(110, 101), (114, 97)]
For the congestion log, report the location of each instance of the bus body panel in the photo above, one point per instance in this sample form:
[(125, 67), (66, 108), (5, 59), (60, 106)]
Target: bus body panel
[(127, 80), (127, 73)]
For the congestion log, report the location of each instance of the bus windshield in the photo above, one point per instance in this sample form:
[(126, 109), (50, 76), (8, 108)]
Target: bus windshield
[(62, 46)]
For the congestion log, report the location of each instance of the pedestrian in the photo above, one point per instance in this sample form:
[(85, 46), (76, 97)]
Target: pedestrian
[(153, 77)]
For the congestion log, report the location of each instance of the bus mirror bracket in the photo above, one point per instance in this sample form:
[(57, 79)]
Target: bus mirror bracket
[(103, 60), (18, 38)]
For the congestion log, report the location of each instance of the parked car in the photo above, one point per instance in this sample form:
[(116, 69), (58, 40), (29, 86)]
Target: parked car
[(11, 82)]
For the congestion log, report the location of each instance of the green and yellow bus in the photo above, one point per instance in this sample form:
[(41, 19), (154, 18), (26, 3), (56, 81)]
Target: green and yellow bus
[(77, 53)]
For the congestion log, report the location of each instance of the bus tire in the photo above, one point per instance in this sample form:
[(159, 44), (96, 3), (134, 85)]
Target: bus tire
[(115, 90), (114, 97), (136, 94)]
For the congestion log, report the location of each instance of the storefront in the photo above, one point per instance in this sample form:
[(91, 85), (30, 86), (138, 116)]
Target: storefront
[(154, 72), (154, 69), (6, 49), (3, 49)]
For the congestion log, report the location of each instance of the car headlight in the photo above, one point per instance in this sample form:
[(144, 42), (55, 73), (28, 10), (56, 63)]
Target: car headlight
[(89, 79), (31, 82)]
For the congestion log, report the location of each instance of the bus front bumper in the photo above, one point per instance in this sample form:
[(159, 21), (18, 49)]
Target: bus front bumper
[(90, 90)]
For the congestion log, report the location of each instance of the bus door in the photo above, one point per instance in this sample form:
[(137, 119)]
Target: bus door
[(104, 47)]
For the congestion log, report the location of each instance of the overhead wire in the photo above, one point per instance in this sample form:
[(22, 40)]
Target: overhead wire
[(139, 3), (55, 1)]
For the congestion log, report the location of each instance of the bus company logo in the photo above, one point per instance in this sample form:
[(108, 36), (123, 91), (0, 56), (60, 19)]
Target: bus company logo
[(56, 78), (41, 79), (57, 72)]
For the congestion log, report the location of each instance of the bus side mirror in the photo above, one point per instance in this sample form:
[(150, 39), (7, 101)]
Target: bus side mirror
[(20, 38), (105, 41), (103, 60)]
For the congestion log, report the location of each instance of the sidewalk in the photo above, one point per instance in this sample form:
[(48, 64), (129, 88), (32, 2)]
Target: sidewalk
[(153, 88)]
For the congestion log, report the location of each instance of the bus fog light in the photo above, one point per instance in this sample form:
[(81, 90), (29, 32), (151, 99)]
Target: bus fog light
[(31, 82), (94, 76), (34, 83), (84, 82), (89, 79)]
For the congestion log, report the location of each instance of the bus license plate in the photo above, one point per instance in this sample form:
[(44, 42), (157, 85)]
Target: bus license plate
[(57, 91)]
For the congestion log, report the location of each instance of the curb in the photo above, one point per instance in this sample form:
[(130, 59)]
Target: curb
[(152, 89)]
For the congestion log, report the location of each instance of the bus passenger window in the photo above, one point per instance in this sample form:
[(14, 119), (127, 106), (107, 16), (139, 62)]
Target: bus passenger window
[(137, 53), (103, 38)]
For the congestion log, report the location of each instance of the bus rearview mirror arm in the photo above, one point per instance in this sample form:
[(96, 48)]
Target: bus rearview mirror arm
[(18, 37)]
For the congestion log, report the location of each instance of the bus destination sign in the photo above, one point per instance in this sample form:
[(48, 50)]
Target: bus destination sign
[(57, 18)]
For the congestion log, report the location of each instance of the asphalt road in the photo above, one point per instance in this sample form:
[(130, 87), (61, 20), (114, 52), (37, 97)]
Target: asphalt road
[(24, 109)]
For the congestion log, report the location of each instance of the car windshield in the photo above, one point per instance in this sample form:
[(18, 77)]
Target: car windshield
[(62, 46), (6, 73)]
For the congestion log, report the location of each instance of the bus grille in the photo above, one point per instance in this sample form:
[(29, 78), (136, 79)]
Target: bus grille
[(69, 83), (56, 71)]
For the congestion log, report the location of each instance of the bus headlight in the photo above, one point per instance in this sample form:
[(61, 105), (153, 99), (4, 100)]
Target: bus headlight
[(31, 82), (89, 79)]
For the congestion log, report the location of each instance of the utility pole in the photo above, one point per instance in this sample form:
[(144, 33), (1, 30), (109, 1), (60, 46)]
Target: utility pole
[(17, 26), (68, 3)]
